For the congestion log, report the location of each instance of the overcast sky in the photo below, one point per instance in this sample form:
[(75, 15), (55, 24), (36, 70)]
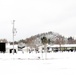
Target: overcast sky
[(37, 16)]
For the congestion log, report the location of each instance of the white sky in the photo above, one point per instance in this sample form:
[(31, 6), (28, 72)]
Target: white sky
[(37, 16)]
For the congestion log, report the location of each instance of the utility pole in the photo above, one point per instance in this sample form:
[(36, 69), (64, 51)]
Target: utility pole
[(13, 35)]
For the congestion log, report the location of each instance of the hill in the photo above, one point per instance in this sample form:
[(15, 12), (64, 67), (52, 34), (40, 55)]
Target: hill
[(54, 38)]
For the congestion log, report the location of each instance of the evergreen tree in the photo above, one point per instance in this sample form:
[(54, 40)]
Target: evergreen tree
[(44, 40)]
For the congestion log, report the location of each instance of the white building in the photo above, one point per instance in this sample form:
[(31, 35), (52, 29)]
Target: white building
[(9, 47)]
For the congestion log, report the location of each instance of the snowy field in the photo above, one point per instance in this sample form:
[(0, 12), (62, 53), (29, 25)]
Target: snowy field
[(60, 63)]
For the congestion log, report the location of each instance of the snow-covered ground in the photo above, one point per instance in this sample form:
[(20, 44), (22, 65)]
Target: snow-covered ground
[(60, 63)]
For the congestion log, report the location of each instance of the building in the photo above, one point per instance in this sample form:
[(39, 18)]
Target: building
[(9, 48), (64, 47)]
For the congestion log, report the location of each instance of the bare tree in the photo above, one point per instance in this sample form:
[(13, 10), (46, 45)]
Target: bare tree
[(44, 41), (60, 40)]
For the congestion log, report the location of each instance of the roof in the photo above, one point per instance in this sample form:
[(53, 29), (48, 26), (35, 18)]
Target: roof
[(64, 45), (11, 46)]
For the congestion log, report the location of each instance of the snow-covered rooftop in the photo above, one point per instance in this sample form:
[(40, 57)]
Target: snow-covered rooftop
[(64, 45)]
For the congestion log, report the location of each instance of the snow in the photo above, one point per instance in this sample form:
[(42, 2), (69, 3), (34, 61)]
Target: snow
[(64, 45), (60, 63)]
